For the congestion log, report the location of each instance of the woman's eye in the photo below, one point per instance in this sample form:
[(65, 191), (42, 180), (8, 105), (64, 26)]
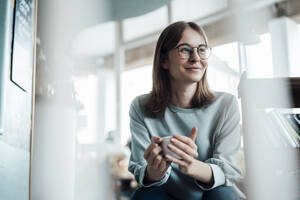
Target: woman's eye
[(202, 50), (185, 50)]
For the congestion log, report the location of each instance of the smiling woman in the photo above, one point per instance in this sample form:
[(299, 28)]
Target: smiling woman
[(203, 125), (172, 71), (188, 60)]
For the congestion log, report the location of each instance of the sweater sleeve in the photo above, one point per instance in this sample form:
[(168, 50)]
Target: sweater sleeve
[(140, 140), (227, 142)]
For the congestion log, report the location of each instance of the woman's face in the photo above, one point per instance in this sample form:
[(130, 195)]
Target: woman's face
[(186, 70)]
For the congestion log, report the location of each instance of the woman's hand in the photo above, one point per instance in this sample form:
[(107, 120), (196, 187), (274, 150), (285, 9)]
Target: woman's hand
[(186, 148), (157, 165)]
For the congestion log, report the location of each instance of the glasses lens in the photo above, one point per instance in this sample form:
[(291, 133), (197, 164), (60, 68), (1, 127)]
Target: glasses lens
[(185, 51), (204, 52)]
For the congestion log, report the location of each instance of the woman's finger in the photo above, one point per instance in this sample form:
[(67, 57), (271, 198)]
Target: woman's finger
[(193, 133), (151, 161), (156, 139), (186, 140), (153, 154), (181, 153), (156, 151), (162, 165), (186, 148), (157, 161), (148, 150)]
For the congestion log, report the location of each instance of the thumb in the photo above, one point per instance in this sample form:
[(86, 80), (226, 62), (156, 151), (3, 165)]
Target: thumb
[(156, 139), (193, 133)]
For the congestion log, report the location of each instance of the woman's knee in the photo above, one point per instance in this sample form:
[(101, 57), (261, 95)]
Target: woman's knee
[(150, 193), (221, 193), (137, 195)]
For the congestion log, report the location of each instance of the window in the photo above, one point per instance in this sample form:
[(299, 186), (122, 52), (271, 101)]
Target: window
[(134, 82), (259, 58), (223, 68), (85, 87), (229, 54)]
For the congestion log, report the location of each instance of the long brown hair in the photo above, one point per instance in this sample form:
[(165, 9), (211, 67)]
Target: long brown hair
[(160, 96)]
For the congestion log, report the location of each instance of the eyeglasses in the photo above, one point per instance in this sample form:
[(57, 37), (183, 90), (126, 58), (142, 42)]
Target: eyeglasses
[(185, 51)]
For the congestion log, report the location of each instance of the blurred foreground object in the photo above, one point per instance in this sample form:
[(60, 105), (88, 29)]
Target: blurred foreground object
[(123, 181), (272, 165)]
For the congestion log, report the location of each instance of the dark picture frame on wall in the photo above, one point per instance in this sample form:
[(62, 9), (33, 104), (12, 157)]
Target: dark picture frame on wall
[(23, 43), (5, 51)]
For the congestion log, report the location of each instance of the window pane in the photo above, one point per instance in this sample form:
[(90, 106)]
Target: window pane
[(223, 68), (195, 9), (259, 58), (134, 82), (220, 80), (85, 89), (145, 24), (229, 54)]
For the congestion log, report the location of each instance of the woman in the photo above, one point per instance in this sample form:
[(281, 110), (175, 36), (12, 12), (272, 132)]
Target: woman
[(204, 125)]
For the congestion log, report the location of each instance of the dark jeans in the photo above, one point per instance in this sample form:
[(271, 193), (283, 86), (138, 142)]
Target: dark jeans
[(157, 193)]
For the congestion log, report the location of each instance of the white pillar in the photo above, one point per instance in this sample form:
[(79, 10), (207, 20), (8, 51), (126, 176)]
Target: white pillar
[(285, 39), (242, 58), (119, 62), (100, 95), (53, 162), (106, 110)]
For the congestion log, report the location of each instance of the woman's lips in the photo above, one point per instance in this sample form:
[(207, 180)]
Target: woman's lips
[(193, 68)]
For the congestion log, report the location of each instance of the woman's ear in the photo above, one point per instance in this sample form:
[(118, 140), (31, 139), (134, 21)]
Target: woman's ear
[(165, 65), (165, 62)]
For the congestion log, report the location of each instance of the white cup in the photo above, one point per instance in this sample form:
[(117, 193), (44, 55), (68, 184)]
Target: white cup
[(166, 150)]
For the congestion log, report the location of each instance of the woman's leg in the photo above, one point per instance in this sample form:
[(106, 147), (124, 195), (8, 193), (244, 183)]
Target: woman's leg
[(150, 193), (221, 193)]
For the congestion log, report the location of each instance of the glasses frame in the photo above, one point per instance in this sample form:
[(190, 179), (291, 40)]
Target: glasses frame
[(192, 52)]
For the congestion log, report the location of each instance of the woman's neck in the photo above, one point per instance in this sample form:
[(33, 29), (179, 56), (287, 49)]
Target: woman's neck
[(182, 94)]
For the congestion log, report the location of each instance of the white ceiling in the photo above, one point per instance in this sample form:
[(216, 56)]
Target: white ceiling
[(99, 40)]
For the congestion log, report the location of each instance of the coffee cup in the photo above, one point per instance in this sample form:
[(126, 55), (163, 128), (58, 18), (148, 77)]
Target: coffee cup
[(166, 150)]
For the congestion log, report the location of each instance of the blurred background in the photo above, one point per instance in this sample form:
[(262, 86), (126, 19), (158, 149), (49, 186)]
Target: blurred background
[(70, 69)]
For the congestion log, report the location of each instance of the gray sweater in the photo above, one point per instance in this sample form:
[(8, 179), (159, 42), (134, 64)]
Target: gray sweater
[(218, 142)]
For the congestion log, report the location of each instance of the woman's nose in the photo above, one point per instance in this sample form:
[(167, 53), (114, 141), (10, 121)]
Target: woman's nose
[(195, 56)]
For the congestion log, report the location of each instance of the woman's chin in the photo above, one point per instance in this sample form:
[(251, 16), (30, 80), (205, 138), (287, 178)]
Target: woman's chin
[(195, 78)]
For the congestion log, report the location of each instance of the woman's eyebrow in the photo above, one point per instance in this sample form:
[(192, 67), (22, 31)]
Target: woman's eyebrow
[(202, 44), (183, 44)]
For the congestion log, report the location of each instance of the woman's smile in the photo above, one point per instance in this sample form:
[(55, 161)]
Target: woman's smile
[(194, 68)]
